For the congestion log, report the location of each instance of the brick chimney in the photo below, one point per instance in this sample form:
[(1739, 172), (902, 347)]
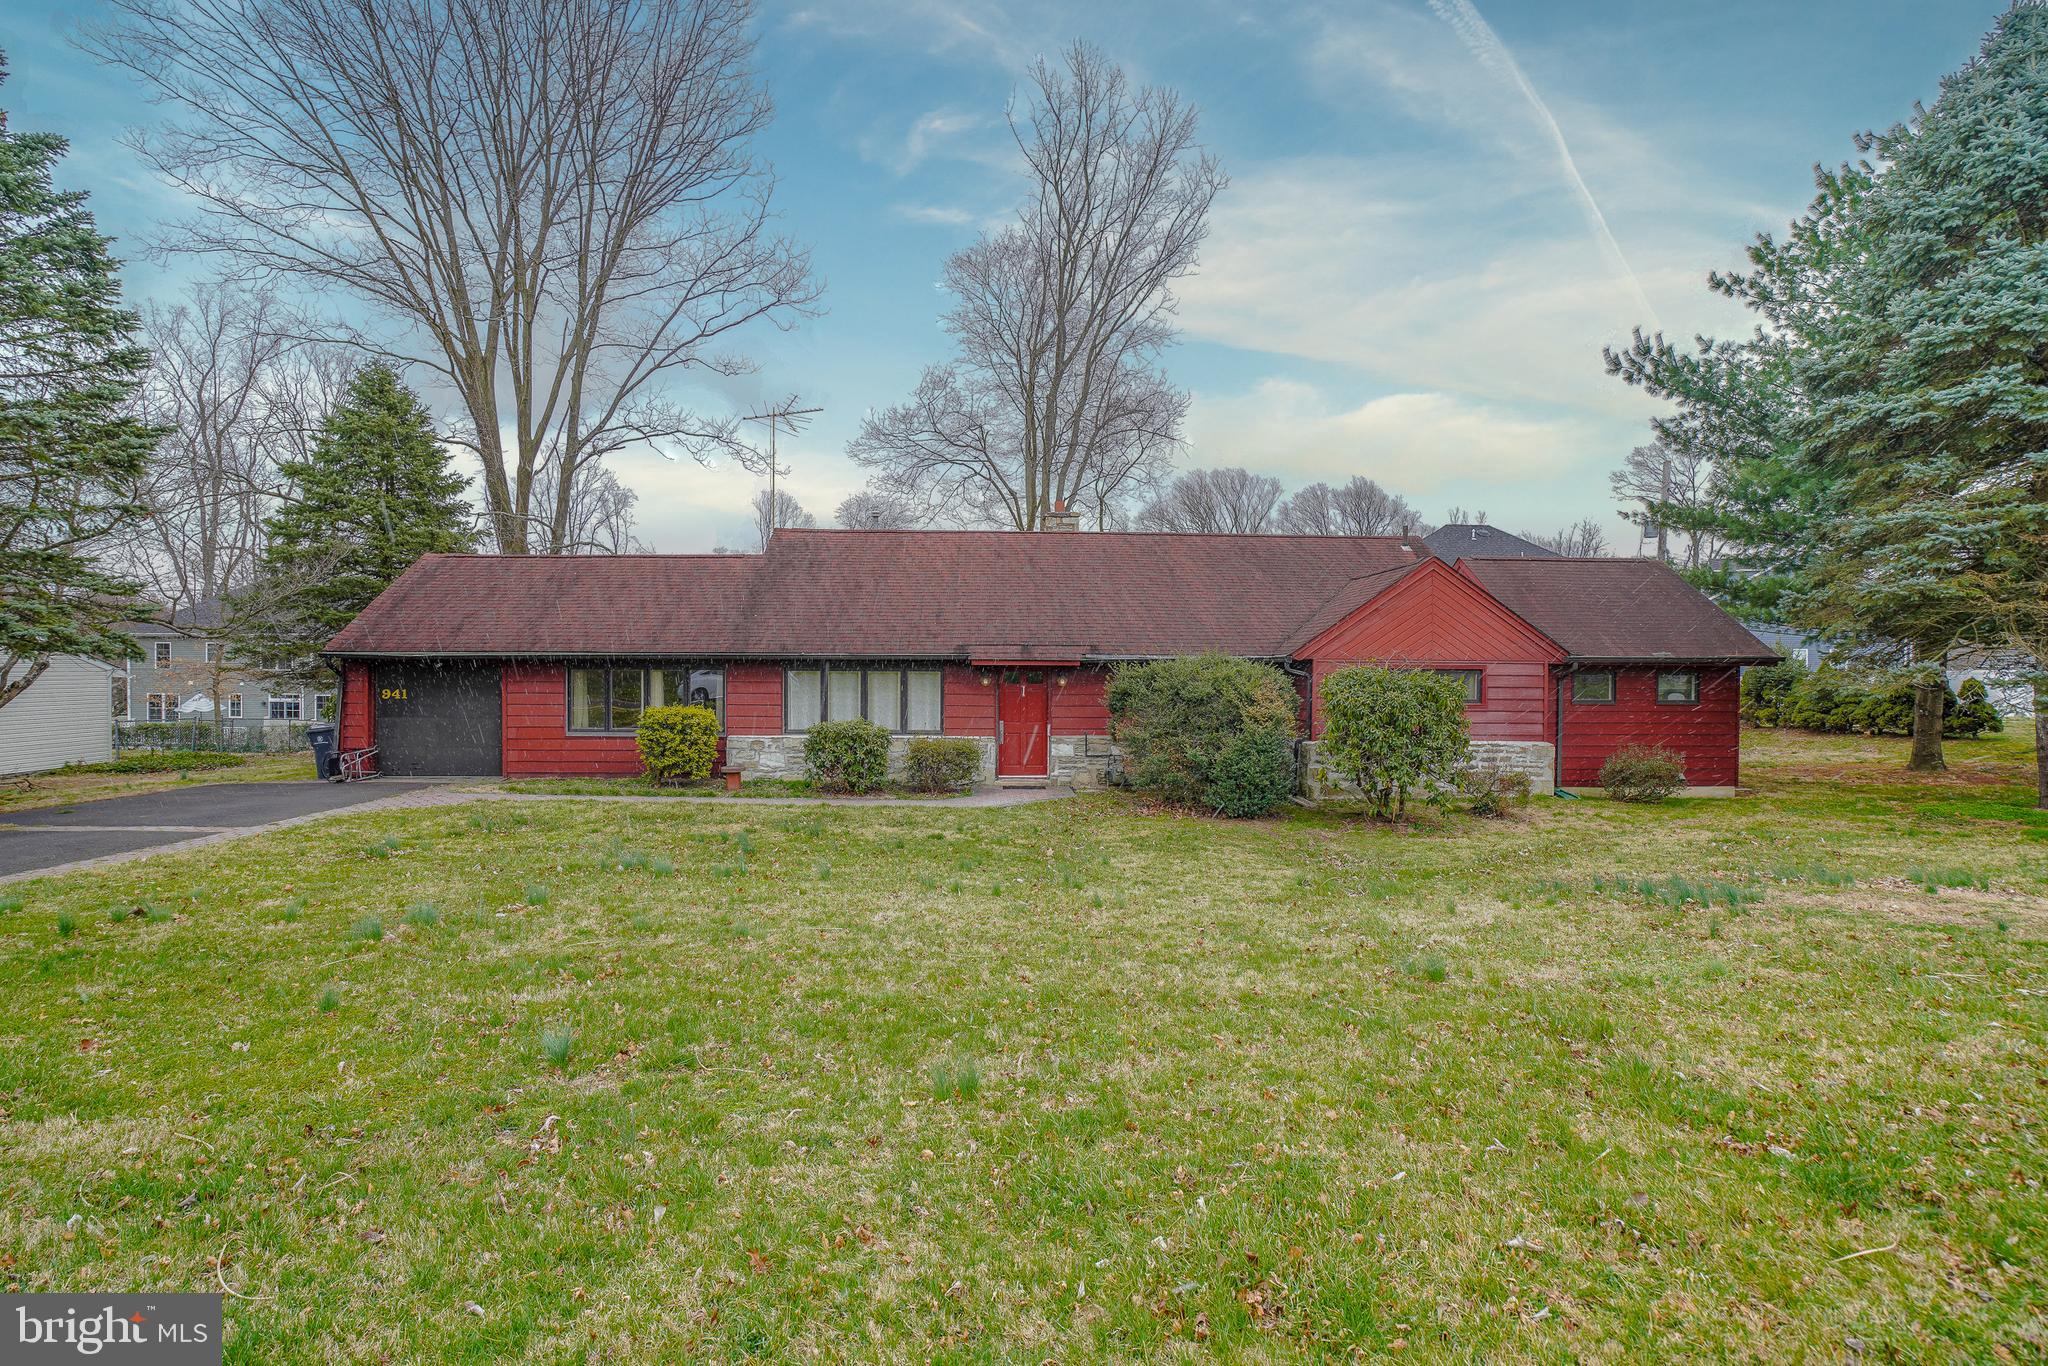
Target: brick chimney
[(1059, 519)]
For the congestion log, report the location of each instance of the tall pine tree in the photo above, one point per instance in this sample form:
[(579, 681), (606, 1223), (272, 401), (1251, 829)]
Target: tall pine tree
[(1882, 440), (374, 495), (1930, 393), (71, 455)]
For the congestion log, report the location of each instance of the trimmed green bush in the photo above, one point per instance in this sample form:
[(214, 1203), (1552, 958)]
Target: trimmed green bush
[(1253, 774), (847, 756), (1972, 713), (1395, 734), (678, 744), (1207, 731), (1839, 701), (1642, 773), (941, 765)]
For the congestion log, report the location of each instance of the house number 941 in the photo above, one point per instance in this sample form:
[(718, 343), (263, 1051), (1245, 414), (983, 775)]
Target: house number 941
[(393, 694)]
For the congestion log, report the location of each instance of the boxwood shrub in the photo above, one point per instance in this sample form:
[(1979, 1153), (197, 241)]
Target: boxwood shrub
[(847, 756), (1396, 734), (1208, 731), (678, 744), (944, 765)]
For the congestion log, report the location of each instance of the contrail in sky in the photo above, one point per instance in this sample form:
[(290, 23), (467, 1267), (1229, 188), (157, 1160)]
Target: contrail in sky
[(1478, 35)]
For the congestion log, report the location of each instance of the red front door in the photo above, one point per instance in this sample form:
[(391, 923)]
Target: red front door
[(1022, 728)]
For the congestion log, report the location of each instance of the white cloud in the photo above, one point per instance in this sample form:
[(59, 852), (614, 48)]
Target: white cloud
[(935, 132), (944, 215), (1413, 443), (1433, 280)]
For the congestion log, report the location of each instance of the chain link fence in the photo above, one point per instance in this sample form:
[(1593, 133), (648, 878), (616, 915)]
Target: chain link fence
[(215, 737)]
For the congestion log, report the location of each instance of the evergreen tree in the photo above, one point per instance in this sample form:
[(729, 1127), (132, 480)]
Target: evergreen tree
[(374, 494), (71, 456), (1883, 441), (1930, 394)]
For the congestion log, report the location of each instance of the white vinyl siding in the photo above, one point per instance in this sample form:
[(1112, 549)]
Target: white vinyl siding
[(61, 718)]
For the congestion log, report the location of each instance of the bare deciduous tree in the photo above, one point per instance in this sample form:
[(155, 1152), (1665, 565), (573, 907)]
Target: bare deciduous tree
[(236, 397), (600, 516), (1059, 319), (552, 204), (1672, 476), (1358, 507), (788, 513), (1583, 537), (873, 509), (1232, 500)]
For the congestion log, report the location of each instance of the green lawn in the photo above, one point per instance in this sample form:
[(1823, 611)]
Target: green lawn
[(1760, 1077), (62, 787)]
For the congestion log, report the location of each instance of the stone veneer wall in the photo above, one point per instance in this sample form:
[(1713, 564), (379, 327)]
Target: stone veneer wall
[(1533, 757), (782, 756), (1082, 760)]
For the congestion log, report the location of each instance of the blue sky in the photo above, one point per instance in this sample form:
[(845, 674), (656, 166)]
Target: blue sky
[(1402, 281)]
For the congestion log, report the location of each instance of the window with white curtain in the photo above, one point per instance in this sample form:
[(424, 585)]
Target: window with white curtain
[(901, 701)]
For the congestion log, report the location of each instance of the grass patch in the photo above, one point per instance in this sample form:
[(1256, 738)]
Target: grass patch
[(423, 916), (537, 894), (909, 1111), (369, 929), (557, 1045)]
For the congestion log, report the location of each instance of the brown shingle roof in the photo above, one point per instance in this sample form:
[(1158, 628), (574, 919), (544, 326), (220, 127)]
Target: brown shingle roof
[(905, 594), (1618, 610)]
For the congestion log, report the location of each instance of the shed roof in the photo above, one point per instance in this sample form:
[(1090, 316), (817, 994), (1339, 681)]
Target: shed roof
[(1618, 610), (1477, 540)]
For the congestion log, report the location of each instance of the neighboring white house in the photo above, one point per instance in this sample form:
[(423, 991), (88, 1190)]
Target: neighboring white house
[(61, 718)]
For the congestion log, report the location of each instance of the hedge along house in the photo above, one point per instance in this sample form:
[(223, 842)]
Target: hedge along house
[(540, 666)]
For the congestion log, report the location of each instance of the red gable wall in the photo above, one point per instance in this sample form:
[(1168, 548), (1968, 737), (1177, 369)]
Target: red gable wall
[(1434, 618)]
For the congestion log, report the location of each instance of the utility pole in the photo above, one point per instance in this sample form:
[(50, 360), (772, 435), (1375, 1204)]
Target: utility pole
[(783, 415)]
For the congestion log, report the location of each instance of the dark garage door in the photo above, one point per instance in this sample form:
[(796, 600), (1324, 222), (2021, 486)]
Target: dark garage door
[(439, 720)]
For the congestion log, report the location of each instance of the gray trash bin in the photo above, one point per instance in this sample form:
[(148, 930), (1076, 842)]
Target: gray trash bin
[(321, 737)]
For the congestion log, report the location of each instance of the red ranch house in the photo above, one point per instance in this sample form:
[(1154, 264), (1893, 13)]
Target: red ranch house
[(528, 666)]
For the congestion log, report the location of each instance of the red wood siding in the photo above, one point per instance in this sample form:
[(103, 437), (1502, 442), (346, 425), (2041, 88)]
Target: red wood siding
[(358, 720), (970, 707), (1436, 619), (537, 742), (1080, 705), (753, 699), (1706, 733)]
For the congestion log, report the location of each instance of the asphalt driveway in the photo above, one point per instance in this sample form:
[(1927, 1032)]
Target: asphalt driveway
[(55, 835)]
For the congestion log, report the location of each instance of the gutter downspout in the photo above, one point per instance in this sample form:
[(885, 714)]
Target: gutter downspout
[(1557, 754)]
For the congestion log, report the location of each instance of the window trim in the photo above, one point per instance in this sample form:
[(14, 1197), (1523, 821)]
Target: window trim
[(271, 699), (214, 651), (160, 702), (1691, 675), (1478, 674), (234, 706), (689, 665), (1613, 688), (824, 670), (160, 654)]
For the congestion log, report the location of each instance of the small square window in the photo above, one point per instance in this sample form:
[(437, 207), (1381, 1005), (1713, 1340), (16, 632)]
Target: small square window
[(1470, 678), (1594, 688), (1678, 689)]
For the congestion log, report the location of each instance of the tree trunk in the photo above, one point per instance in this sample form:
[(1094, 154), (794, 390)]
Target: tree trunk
[(1926, 727), (2041, 743)]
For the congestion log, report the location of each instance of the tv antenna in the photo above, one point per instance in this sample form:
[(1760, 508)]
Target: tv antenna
[(784, 416)]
